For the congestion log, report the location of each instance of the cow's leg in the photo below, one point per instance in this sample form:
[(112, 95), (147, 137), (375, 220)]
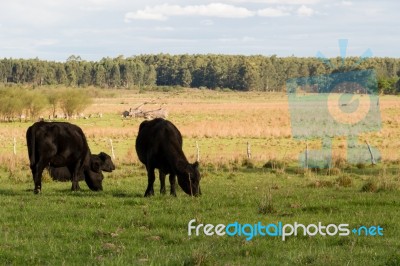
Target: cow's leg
[(150, 179), (75, 186), (37, 170), (75, 177), (172, 183), (162, 182)]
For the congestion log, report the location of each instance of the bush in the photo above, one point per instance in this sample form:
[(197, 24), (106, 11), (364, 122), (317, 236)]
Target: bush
[(370, 186), (248, 163), (35, 103), (321, 184), (11, 103), (74, 101), (274, 164), (344, 181)]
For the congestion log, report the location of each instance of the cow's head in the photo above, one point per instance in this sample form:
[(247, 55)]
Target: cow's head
[(94, 176), (189, 180), (104, 161)]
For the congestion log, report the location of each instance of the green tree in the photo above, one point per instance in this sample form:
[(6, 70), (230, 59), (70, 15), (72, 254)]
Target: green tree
[(150, 76), (11, 103), (34, 102), (74, 101), (100, 76), (126, 74), (212, 75), (115, 76), (85, 74), (54, 99), (72, 77), (185, 78), (248, 77), (267, 75), (60, 74)]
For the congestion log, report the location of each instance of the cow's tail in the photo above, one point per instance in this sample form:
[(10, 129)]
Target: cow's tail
[(30, 140)]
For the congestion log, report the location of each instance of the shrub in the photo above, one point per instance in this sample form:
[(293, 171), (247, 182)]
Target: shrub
[(74, 101), (321, 184), (248, 163), (274, 164), (344, 181), (370, 186)]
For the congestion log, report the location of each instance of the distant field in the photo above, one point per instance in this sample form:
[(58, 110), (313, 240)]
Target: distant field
[(119, 226), (221, 122)]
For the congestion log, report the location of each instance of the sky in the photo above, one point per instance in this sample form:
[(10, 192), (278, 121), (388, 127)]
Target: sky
[(55, 29)]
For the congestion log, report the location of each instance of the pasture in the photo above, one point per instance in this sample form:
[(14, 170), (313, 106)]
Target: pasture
[(118, 226)]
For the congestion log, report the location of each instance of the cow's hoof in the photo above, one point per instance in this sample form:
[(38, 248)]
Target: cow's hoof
[(37, 191), (75, 189), (149, 194)]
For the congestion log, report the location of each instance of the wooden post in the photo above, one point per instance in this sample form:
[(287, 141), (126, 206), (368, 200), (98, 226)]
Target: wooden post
[(198, 152), (112, 149), (373, 162), (15, 146), (248, 150)]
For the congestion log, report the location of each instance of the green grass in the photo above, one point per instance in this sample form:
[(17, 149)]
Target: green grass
[(120, 226)]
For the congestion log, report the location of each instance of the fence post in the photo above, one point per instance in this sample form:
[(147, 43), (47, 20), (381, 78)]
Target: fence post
[(370, 152), (198, 152), (15, 146), (248, 150), (112, 149)]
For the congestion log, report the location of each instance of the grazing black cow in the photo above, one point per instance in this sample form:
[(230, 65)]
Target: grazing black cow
[(63, 174), (59, 144), (159, 145)]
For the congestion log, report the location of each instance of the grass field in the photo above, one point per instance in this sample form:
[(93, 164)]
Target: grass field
[(120, 227)]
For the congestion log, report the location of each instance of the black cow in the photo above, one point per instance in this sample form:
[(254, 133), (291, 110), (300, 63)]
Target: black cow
[(159, 145), (60, 144), (63, 174)]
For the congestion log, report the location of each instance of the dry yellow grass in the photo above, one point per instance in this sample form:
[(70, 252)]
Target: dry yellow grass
[(222, 123)]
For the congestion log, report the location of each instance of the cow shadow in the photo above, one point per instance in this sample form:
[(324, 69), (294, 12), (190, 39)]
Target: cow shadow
[(123, 194), (49, 193), (104, 193), (12, 192), (84, 193)]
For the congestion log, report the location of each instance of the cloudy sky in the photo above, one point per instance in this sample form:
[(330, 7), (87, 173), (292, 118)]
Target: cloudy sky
[(56, 29)]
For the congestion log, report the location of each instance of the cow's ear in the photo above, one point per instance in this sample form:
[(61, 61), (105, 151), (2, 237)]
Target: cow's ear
[(103, 156), (182, 166), (95, 165)]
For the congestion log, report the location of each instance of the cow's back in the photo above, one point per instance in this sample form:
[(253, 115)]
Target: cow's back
[(57, 140), (158, 140)]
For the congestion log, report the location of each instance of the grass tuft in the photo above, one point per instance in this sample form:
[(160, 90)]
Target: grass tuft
[(266, 206), (321, 184), (344, 181), (370, 186)]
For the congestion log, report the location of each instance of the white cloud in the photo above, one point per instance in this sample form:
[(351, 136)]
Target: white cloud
[(347, 3), (144, 15), (273, 12), (305, 11), (280, 2), (45, 42), (207, 22), (164, 28), (244, 39), (162, 12)]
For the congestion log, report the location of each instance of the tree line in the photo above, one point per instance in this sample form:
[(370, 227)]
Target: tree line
[(235, 72)]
